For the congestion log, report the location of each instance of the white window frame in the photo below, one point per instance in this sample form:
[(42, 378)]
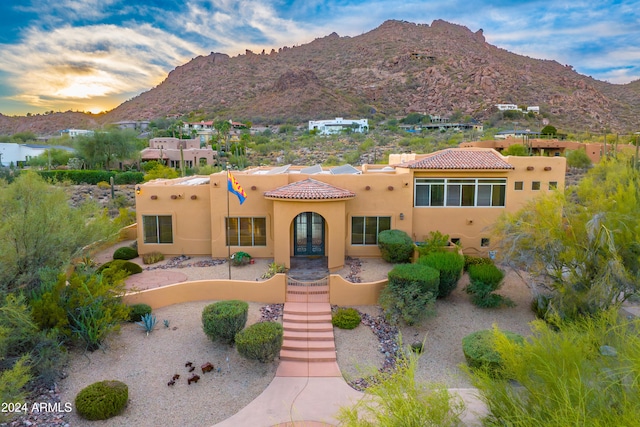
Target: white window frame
[(450, 184)]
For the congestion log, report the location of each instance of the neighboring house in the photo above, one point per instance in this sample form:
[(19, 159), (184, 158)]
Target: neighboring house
[(171, 151), (507, 107), (313, 211), (19, 154), (552, 147), (328, 127), (133, 124), (516, 133), (73, 133)]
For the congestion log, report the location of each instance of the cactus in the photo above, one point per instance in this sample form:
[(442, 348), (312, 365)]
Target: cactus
[(166, 323), (148, 322)]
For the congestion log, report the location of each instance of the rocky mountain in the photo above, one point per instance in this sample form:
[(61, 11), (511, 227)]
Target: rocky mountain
[(395, 69)]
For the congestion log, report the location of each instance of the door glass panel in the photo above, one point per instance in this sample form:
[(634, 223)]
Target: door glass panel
[(166, 229)]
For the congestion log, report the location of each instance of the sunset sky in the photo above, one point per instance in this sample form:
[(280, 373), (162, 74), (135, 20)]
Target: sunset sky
[(92, 55)]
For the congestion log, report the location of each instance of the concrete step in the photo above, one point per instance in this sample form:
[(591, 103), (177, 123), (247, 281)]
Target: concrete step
[(309, 336), (305, 308), (299, 345), (309, 356), (308, 327), (306, 318)]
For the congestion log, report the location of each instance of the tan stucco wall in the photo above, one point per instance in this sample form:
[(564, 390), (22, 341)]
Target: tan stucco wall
[(343, 292), (271, 291), (199, 224)]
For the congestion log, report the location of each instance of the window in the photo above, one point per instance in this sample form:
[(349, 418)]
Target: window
[(460, 192), (157, 228), (553, 185), (365, 229), (518, 186), (246, 231), (484, 242), (535, 185), (455, 240)]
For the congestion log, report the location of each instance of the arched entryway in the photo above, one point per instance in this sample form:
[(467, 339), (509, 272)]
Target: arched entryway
[(308, 235)]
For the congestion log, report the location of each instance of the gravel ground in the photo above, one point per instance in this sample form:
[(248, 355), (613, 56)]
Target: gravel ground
[(147, 363)]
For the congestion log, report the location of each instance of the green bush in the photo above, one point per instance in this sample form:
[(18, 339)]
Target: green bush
[(484, 280), (92, 177), (138, 311), (450, 265), (12, 384), (126, 253), (346, 318), (129, 177), (223, 320), (435, 242), (240, 258), (583, 372), (395, 246), (119, 265), (102, 400), (48, 358), (410, 294), (152, 257), (472, 260), (480, 352), (260, 341)]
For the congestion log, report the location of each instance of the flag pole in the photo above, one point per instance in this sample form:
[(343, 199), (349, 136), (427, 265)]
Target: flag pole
[(228, 227)]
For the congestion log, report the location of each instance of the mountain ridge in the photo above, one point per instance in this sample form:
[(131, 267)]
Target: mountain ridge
[(394, 69)]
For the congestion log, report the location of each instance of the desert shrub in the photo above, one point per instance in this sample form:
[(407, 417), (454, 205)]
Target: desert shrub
[(540, 305), (111, 269), (94, 307), (48, 358), (346, 318), (397, 399), (103, 185), (260, 341), (129, 177), (410, 294), (484, 280), (450, 265), (102, 400), (224, 319), (583, 372), (473, 260), (435, 242), (273, 269), (138, 311), (152, 257), (395, 246), (12, 384), (480, 352), (18, 331), (125, 252)]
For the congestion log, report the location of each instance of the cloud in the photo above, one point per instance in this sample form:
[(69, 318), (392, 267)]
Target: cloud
[(72, 63)]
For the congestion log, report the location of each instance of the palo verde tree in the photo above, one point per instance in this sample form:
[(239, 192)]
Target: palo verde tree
[(38, 229), (582, 247), (104, 148)]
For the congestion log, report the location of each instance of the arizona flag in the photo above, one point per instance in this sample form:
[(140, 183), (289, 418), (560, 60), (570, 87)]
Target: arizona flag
[(235, 188)]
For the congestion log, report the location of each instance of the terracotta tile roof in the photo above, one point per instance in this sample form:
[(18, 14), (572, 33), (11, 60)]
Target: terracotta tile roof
[(453, 158), (309, 189)]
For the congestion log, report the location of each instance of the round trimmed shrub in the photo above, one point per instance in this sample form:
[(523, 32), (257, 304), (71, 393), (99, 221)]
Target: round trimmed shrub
[(138, 311), (126, 253), (102, 400), (479, 350), (260, 341), (473, 260), (224, 319), (410, 294), (396, 246), (346, 318), (450, 265), (122, 265)]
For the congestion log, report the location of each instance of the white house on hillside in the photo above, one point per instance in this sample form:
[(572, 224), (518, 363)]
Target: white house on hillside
[(328, 127), (17, 154)]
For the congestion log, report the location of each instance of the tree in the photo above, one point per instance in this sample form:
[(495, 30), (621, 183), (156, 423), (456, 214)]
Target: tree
[(223, 126), (52, 157), (581, 248), (39, 229), (549, 130), (516, 150), (578, 159), (103, 148)]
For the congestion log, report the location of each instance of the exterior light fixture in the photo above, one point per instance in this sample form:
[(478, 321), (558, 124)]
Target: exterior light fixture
[(138, 190), (401, 216)]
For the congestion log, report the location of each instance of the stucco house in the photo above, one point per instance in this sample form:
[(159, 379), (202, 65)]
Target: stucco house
[(172, 151), (314, 211)]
